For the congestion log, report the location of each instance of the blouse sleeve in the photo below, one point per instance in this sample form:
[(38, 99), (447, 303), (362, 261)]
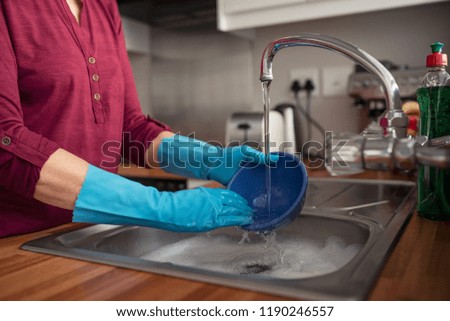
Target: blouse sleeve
[(139, 129), (22, 151)]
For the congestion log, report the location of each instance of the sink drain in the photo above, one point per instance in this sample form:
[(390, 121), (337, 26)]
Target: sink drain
[(252, 263), (255, 268)]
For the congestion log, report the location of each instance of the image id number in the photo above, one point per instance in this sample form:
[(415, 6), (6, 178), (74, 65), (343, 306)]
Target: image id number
[(315, 311)]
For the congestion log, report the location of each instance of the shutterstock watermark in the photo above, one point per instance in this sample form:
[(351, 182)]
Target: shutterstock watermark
[(188, 152)]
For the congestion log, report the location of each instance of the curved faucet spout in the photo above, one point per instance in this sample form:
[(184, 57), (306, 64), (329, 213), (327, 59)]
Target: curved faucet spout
[(394, 120)]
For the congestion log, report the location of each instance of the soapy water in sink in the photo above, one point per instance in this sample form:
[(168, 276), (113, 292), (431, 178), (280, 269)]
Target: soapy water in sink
[(281, 255)]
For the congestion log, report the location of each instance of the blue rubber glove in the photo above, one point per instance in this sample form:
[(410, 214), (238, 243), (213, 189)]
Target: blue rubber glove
[(110, 199), (194, 158)]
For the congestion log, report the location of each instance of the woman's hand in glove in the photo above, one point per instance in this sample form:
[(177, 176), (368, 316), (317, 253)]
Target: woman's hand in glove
[(194, 158), (110, 199)]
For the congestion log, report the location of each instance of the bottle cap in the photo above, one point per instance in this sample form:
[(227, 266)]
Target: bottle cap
[(437, 58)]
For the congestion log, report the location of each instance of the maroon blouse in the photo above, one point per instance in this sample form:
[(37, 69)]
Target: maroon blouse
[(62, 85)]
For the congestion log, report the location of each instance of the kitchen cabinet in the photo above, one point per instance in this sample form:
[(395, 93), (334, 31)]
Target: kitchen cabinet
[(237, 14)]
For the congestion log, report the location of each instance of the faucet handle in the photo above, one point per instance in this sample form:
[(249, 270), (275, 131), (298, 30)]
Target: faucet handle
[(395, 123)]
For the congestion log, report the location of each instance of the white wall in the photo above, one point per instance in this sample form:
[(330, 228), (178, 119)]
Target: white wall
[(138, 42), (199, 78)]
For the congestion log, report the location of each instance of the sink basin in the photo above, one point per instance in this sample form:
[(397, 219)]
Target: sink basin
[(333, 251)]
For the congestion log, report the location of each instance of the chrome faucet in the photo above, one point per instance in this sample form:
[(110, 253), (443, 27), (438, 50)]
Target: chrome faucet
[(394, 121), (352, 153), (356, 153)]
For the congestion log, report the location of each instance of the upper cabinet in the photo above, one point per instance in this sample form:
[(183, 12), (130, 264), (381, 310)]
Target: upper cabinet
[(243, 14)]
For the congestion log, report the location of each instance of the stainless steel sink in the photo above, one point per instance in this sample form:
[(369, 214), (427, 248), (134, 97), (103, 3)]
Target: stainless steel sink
[(333, 251)]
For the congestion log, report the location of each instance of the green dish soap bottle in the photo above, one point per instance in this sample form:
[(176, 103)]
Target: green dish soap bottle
[(433, 96)]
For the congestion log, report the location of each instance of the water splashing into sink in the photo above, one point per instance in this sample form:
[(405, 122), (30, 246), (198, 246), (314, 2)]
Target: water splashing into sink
[(284, 255)]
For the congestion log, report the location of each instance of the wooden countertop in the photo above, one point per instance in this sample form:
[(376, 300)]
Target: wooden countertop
[(418, 269)]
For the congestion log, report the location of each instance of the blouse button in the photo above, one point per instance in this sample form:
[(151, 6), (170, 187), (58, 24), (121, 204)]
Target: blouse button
[(91, 60), (97, 96), (95, 77), (6, 141)]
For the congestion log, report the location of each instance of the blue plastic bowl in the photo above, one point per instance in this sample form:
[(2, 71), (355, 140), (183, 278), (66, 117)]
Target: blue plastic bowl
[(289, 180)]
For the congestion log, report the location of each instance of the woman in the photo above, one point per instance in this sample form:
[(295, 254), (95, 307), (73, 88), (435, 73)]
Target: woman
[(66, 91)]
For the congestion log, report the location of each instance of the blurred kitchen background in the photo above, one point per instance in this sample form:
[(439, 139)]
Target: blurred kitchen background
[(193, 76)]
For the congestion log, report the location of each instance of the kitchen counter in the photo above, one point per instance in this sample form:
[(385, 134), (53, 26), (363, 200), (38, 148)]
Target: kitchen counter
[(418, 269)]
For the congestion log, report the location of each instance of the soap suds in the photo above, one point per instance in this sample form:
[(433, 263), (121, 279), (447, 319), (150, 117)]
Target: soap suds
[(290, 256)]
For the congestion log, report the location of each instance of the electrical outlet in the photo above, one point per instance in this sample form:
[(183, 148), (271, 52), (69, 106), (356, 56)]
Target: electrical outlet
[(335, 80), (303, 74)]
